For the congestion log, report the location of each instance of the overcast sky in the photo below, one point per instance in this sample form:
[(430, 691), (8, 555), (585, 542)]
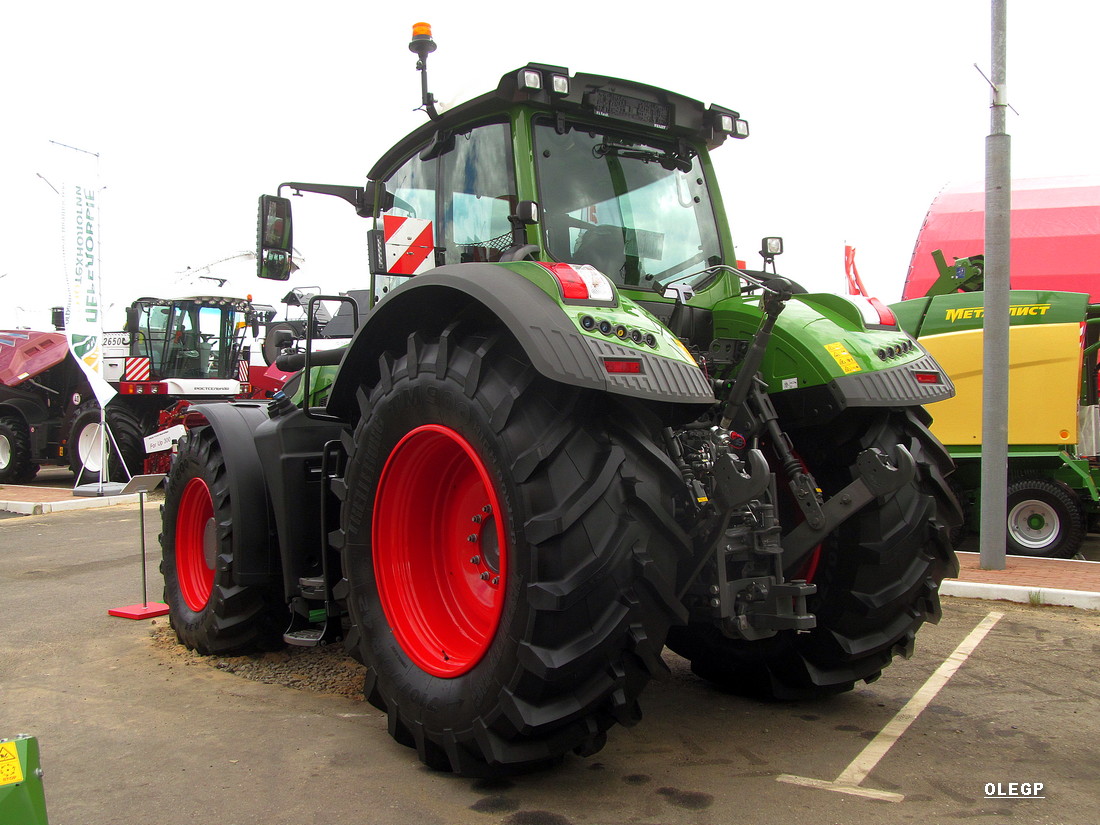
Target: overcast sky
[(861, 112)]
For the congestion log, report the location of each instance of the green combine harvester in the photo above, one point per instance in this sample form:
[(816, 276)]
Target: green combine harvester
[(567, 430)]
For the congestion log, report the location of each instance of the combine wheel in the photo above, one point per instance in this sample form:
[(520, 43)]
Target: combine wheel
[(16, 466), (208, 610), (1044, 519), (878, 574), (511, 556), (85, 446)]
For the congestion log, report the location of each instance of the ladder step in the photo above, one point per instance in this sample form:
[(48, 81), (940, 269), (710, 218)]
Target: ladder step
[(305, 637)]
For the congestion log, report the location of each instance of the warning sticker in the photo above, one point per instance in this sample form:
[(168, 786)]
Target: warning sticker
[(11, 769), (842, 357)]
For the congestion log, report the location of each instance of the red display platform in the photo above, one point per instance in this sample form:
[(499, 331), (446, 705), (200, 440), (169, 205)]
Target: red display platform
[(140, 611)]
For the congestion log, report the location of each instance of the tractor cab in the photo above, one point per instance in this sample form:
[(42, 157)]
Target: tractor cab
[(552, 167)]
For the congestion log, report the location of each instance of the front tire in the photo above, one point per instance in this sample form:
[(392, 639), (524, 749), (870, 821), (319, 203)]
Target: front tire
[(499, 644), (208, 610), (878, 573), (16, 463), (1044, 519), (85, 445)]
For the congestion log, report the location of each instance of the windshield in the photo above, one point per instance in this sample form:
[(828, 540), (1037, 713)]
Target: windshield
[(637, 211), (185, 340)]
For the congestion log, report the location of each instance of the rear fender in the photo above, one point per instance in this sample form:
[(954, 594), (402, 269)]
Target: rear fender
[(823, 359), (255, 554), (521, 297)]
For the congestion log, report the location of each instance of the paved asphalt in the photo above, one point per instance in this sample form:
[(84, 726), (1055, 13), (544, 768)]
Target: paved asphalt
[(131, 734)]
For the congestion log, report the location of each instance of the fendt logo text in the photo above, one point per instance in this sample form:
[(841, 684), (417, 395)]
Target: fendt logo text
[(968, 313)]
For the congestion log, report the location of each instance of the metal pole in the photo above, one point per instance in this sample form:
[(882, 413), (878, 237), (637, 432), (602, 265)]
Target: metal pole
[(141, 510), (998, 206)]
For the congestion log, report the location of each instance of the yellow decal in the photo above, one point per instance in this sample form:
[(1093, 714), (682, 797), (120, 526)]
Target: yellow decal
[(968, 313), (11, 770), (842, 357)]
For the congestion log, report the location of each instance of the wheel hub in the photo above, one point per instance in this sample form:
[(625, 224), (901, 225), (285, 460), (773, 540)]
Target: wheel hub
[(196, 544), (439, 550), (90, 449), (1033, 524)]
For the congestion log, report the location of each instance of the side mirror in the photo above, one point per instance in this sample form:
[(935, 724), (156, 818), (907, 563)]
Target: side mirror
[(133, 322), (274, 239)]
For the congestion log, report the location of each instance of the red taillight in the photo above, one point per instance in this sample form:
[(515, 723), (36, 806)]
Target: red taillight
[(142, 388), (581, 282), (572, 287), (622, 366), (926, 377)]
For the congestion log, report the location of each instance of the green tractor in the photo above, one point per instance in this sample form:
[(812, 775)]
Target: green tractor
[(567, 431)]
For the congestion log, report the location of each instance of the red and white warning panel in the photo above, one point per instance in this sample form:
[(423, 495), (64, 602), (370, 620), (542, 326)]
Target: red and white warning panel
[(409, 245), (136, 369)]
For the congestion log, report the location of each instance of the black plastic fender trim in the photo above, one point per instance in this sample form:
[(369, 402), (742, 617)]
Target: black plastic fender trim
[(255, 553)]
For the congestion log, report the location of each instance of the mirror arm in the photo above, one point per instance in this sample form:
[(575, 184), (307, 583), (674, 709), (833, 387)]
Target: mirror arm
[(355, 195)]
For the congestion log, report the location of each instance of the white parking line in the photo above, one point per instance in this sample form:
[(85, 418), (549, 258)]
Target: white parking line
[(850, 778)]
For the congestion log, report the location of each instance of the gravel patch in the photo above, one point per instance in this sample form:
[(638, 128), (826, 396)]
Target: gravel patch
[(326, 669)]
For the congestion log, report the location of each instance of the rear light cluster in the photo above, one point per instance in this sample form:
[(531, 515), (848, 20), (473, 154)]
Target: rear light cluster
[(581, 282), (885, 353), (623, 333), (142, 388)]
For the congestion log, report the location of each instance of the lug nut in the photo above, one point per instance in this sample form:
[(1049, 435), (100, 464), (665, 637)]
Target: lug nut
[(487, 509), (477, 519), (471, 537), (485, 576), (496, 579), (475, 559)]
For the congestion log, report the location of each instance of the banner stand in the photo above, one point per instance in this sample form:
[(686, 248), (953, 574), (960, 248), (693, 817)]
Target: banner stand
[(146, 610)]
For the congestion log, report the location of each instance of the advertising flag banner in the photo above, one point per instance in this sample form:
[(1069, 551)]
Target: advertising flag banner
[(80, 253)]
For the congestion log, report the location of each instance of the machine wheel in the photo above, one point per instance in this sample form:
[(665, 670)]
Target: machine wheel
[(1044, 519), (878, 574), (16, 466), (84, 443), (208, 610), (510, 548)]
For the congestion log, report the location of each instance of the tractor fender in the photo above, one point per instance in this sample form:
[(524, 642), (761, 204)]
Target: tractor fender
[(549, 337), (255, 553)]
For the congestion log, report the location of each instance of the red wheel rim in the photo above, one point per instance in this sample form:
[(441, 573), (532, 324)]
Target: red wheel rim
[(195, 544), (440, 551)]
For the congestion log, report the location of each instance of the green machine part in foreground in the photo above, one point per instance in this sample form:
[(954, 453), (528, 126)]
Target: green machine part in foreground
[(1053, 419), (22, 798)]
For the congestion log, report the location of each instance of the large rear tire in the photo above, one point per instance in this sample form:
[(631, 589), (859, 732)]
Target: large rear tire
[(510, 549), (208, 610), (877, 575), (16, 463)]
